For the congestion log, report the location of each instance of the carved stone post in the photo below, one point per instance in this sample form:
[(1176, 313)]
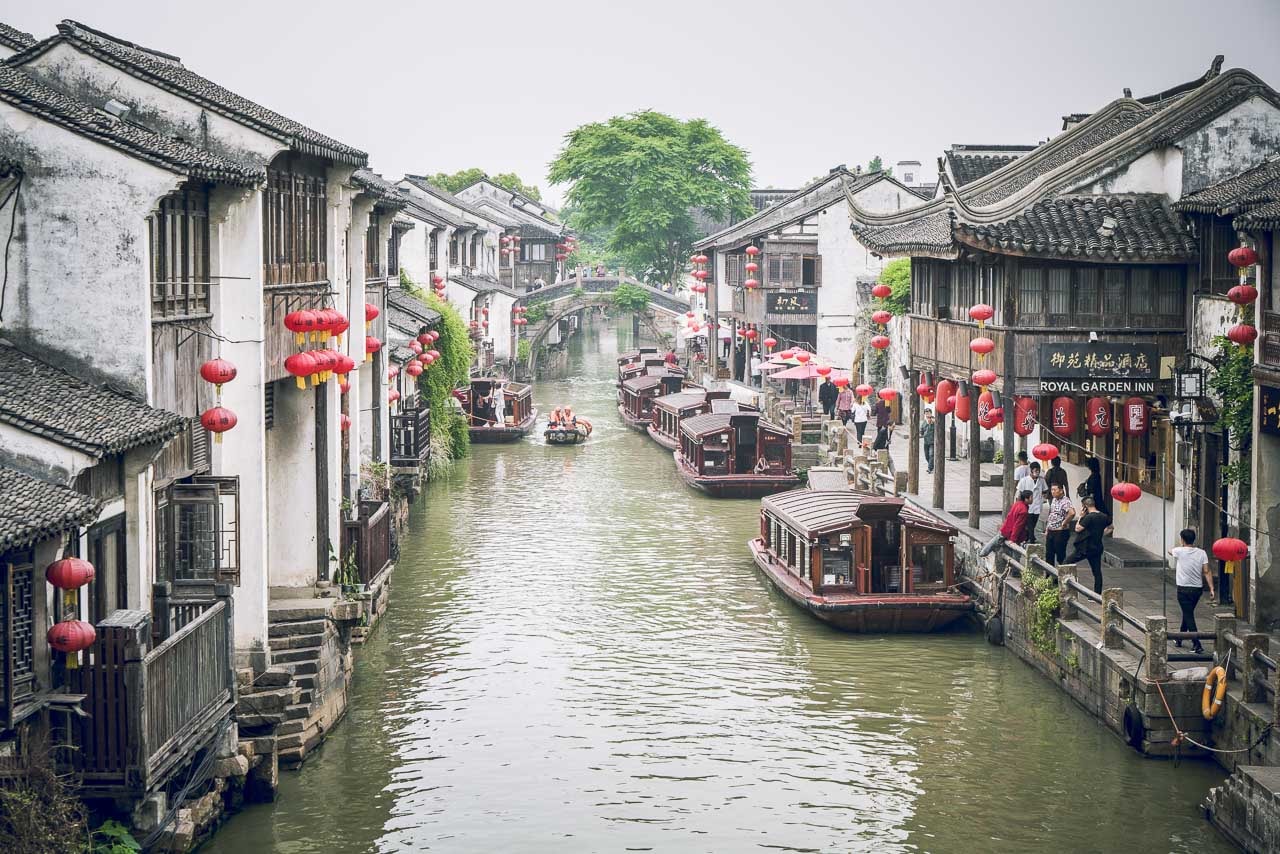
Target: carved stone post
[(1067, 593), (1253, 692), (1224, 623), (1112, 598), (1156, 659)]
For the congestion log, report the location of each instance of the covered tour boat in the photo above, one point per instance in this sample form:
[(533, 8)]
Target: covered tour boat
[(634, 363), (861, 562), (498, 410), (639, 392), (735, 455), (670, 409)]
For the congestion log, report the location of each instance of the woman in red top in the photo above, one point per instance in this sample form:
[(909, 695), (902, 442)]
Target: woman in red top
[(1014, 528)]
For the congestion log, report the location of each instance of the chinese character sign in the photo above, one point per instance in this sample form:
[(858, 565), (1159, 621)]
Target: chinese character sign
[(1063, 416), (1135, 416), (1098, 411)]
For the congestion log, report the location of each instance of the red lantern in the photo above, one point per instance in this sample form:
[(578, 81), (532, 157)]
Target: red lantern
[(751, 267), (963, 406), (864, 391), (700, 274), (1097, 415), (437, 280), (325, 319), (751, 335), (982, 313), (753, 251), (435, 336), (888, 394), (945, 397), (1243, 294), (1243, 334), (925, 391), (803, 356), (770, 343), (426, 359), (340, 325), (982, 346), (823, 370), (1126, 493), (71, 636), (1045, 452), (393, 372), (880, 342), (751, 284), (1242, 256), (69, 573), (694, 327), (840, 382), (415, 347), (370, 313), (984, 378), (300, 323), (560, 256), (1024, 416), (699, 289), (787, 354), (217, 421), (343, 365), (1232, 551), (1062, 416), (371, 346), (301, 365), (881, 317), (344, 422), (1136, 416), (393, 396), (218, 371), (326, 362), (435, 354), (882, 291), (988, 413)]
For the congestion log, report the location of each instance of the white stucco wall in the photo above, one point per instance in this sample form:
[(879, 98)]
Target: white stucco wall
[(40, 457), (1239, 139), (291, 508)]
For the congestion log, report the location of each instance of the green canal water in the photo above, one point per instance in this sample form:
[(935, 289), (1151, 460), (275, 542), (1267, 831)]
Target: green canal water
[(580, 656)]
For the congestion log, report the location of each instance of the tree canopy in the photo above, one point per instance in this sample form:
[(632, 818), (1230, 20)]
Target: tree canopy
[(639, 178), (877, 165), (463, 178), (897, 275)]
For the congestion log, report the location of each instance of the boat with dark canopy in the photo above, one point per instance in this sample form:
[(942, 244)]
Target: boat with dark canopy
[(498, 410), (861, 562), (634, 363), (735, 455), (639, 392), (670, 409)]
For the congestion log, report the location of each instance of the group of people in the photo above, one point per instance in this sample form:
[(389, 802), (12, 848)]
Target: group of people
[(843, 404), (563, 417)]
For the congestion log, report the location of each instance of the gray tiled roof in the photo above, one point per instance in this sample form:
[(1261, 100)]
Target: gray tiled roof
[(1138, 227), (1257, 186), (25, 92), (380, 188), (445, 196), (433, 214), (969, 163), (15, 39), (407, 313), (169, 73), (32, 510), (928, 236), (42, 399), (483, 285)]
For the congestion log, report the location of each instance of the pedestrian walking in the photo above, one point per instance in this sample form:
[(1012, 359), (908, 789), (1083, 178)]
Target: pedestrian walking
[(1020, 470), (884, 419), (861, 414), (1090, 528), (844, 405), (1057, 524), (827, 394), (1191, 575), (1057, 475), (927, 432), (1032, 482), (755, 369)]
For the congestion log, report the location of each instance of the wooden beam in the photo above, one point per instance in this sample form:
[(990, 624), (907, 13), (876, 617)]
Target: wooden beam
[(939, 455), (975, 457), (1008, 371), (913, 439)]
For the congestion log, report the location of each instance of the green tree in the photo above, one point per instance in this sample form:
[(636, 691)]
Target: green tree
[(638, 178), (463, 178), (897, 275), (877, 165)]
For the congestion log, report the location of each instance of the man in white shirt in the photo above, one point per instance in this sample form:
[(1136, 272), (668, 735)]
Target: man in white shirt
[(755, 369), (1034, 484), (861, 414), (1191, 574), (1020, 471)]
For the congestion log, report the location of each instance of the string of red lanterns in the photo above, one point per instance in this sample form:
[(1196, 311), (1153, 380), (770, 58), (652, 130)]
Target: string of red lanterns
[(218, 419)]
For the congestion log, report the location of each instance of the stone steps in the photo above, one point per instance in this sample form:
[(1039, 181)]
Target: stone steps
[(282, 627), (294, 655)]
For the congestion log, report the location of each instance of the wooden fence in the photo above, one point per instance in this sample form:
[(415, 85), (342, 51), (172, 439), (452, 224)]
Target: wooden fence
[(410, 438), (368, 539)]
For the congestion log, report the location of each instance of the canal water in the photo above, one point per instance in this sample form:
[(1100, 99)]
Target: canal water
[(580, 656)]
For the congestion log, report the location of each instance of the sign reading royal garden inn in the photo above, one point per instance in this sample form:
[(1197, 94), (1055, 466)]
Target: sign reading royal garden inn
[(1098, 367)]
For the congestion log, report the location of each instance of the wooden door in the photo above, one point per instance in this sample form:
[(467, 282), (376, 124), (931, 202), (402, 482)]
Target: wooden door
[(109, 589)]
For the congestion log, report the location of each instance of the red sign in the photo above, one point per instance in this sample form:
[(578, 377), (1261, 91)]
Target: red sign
[(1098, 414), (1136, 416), (1062, 418)]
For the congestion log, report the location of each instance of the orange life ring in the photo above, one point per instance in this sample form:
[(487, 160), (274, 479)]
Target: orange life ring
[(1215, 689)]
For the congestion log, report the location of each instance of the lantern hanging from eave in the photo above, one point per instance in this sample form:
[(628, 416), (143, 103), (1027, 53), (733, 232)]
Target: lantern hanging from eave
[(435, 354), (218, 420), (881, 317), (880, 342), (325, 319), (392, 372), (699, 288), (945, 397), (1242, 257), (823, 370), (218, 371), (300, 323), (984, 378), (301, 365), (371, 346), (700, 275), (71, 636), (982, 313), (770, 343), (864, 391), (925, 392), (343, 365), (1243, 334), (840, 382), (751, 267), (787, 354), (1062, 416), (1126, 493), (982, 346), (69, 573), (1097, 416), (753, 251), (1024, 416), (414, 347), (751, 335), (988, 416), (1243, 295), (882, 291), (963, 406), (370, 313), (1045, 452), (340, 326), (1232, 551), (751, 284), (393, 396), (344, 422), (888, 394), (1137, 416), (327, 360)]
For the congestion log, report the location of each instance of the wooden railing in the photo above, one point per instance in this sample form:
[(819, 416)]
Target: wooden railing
[(175, 604), (368, 539), (410, 438)]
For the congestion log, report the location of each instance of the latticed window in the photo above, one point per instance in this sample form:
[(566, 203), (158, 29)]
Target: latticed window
[(179, 233), (1217, 238), (372, 242), (294, 225), (197, 536), (17, 627)]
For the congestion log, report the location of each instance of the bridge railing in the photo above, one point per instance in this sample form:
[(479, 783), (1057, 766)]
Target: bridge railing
[(603, 284)]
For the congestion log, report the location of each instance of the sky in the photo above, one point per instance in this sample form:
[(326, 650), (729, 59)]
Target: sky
[(430, 86)]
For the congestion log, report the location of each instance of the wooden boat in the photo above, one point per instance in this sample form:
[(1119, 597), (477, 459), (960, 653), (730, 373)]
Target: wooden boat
[(486, 397), (670, 409), (639, 392), (567, 435), (634, 363), (840, 555), (720, 452)]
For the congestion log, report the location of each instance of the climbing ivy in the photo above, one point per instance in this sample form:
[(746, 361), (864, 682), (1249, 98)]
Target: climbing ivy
[(1044, 616), (452, 370), (1233, 382), (897, 275), (537, 312)]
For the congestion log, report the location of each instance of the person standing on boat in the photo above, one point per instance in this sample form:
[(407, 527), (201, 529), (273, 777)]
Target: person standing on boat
[(844, 405), (1091, 527), (1192, 576), (927, 432), (884, 420), (861, 413), (1057, 525), (827, 394), (1034, 484)]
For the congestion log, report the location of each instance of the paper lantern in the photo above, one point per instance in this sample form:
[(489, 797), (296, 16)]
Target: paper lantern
[(300, 323), (823, 370), (882, 291), (340, 326), (218, 420), (770, 343), (371, 346), (393, 396), (69, 573), (945, 400), (840, 382), (1024, 416), (753, 251), (963, 406), (1243, 334), (700, 275), (751, 284), (925, 391), (218, 371), (700, 259), (1126, 493), (1062, 416), (1137, 416), (984, 378), (1232, 551), (982, 313), (803, 356), (881, 317), (344, 422), (1242, 256), (880, 342), (71, 636), (982, 346), (1045, 452), (699, 288), (370, 313), (1097, 416), (750, 334), (1243, 294), (326, 361), (888, 394), (864, 391), (787, 354), (986, 408), (414, 347), (751, 267)]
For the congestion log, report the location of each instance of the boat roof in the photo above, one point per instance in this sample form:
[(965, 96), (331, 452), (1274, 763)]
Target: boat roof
[(645, 381), (632, 355), (821, 511), (680, 399), (516, 389), (714, 422)]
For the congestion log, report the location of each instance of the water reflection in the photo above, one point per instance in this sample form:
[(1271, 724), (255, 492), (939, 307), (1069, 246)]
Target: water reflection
[(580, 657)]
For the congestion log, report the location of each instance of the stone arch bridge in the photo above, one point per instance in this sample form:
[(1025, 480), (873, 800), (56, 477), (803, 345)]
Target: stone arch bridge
[(574, 294)]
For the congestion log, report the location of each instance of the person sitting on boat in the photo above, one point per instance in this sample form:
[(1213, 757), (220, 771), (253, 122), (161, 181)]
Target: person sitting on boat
[(671, 357), (570, 420), (555, 419), (762, 466)]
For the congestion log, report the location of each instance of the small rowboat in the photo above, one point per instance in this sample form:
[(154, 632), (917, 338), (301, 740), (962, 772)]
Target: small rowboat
[(567, 435)]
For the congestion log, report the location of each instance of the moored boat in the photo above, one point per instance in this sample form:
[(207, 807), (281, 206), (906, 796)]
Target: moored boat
[(498, 410), (735, 455), (861, 562), (635, 363), (639, 392), (670, 409)]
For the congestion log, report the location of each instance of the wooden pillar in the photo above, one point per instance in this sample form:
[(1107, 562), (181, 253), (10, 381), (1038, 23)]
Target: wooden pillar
[(322, 481), (940, 456), (1008, 375), (913, 441), (975, 458)]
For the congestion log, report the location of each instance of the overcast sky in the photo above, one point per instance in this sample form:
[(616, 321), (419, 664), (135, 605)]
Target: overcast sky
[(435, 86)]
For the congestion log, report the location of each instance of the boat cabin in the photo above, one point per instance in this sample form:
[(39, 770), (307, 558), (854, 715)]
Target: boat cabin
[(670, 409), (841, 541), (639, 392), (732, 443), (494, 402)]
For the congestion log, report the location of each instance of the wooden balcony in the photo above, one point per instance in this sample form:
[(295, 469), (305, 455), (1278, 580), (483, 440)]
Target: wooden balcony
[(368, 540), (410, 438), (151, 710)]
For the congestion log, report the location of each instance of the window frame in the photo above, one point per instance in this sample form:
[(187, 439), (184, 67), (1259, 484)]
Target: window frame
[(178, 236)]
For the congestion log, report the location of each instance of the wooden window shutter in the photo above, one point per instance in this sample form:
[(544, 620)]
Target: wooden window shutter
[(774, 267), (817, 270), (228, 522), (199, 448)]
